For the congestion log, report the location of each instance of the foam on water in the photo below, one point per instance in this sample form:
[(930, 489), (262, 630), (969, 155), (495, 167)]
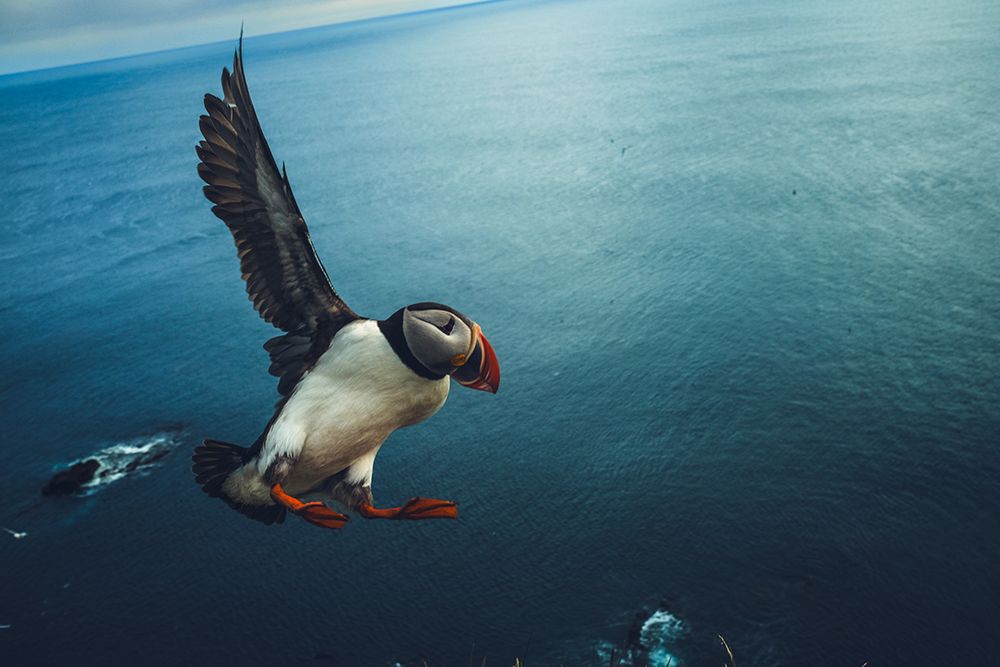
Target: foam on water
[(652, 648), (659, 631)]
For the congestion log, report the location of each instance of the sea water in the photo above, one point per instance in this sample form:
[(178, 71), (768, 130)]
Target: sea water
[(739, 262)]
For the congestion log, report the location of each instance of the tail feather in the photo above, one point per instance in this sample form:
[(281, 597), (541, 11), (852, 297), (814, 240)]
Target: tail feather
[(213, 462)]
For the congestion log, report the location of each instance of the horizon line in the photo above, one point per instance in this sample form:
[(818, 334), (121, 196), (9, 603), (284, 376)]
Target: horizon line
[(83, 63)]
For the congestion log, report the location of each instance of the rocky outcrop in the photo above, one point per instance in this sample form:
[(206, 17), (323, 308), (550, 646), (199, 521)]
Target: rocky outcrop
[(114, 462)]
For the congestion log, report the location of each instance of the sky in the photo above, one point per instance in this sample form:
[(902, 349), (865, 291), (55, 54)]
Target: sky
[(36, 34)]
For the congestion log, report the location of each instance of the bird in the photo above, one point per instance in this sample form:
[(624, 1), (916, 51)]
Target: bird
[(345, 382), (17, 535)]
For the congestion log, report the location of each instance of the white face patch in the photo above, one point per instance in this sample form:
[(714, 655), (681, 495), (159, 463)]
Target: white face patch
[(435, 337)]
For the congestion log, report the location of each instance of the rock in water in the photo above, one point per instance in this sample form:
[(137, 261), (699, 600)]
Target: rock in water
[(118, 460), (71, 480)]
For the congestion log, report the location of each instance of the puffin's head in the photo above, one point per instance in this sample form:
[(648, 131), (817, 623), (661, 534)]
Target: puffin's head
[(447, 342)]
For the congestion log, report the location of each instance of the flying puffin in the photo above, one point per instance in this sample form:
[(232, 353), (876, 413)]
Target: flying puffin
[(346, 382)]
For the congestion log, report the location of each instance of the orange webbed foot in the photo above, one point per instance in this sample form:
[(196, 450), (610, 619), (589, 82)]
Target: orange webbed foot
[(415, 509), (314, 512), (429, 508), (319, 514)]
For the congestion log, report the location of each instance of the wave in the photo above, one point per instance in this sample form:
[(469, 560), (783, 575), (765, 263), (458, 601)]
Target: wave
[(650, 642), (659, 631)]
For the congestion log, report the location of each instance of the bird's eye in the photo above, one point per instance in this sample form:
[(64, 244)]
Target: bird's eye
[(447, 329)]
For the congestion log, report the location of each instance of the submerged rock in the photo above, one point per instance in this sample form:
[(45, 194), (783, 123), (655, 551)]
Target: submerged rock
[(71, 480)]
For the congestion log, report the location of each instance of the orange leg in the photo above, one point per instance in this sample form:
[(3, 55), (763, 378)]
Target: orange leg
[(315, 512), (414, 509)]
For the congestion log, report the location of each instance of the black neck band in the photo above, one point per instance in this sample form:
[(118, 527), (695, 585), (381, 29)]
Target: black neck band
[(392, 329)]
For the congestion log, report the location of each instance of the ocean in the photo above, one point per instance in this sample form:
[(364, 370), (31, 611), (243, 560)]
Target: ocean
[(740, 262)]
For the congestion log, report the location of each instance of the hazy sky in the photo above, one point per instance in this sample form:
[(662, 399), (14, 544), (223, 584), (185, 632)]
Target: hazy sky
[(47, 33)]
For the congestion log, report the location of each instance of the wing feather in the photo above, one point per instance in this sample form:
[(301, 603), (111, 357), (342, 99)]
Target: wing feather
[(285, 279)]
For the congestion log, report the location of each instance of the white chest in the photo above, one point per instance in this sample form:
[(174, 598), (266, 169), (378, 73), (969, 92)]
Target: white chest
[(347, 405)]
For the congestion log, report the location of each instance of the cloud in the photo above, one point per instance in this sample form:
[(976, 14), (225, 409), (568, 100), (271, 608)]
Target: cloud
[(48, 33)]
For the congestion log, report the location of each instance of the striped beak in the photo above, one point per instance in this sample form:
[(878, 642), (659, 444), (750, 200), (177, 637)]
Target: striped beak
[(481, 370)]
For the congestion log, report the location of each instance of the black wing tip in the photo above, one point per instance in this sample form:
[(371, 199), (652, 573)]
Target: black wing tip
[(238, 54)]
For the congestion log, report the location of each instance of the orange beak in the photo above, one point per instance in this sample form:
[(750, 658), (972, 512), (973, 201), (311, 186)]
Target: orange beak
[(482, 370)]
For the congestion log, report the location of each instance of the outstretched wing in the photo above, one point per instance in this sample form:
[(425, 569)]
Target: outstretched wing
[(285, 279)]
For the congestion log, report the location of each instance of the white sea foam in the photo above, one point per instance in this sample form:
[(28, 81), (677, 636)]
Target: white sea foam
[(657, 635), (659, 631)]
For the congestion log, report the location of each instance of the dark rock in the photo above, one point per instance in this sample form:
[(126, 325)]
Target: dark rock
[(633, 641), (72, 480)]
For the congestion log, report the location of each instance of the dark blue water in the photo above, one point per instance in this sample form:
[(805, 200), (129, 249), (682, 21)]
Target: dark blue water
[(741, 265)]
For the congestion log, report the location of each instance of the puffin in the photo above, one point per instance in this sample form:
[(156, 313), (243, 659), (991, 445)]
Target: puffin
[(345, 382)]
